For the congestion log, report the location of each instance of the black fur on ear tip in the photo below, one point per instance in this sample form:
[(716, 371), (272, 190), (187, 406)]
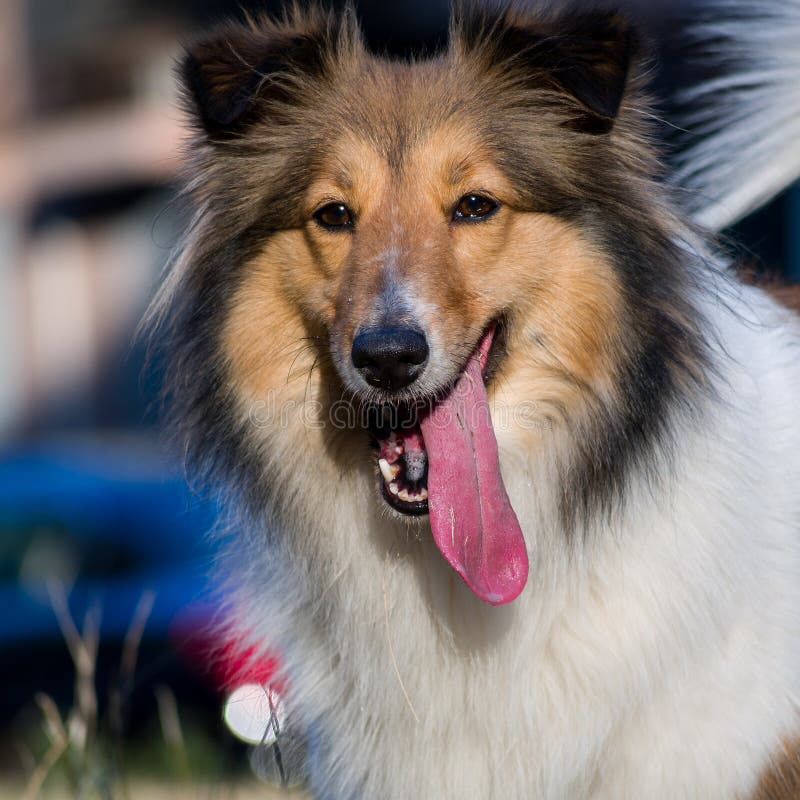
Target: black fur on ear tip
[(218, 83), (585, 54), (223, 76), (215, 109), (596, 69)]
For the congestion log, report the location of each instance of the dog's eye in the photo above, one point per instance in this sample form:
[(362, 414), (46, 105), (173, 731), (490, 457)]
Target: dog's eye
[(474, 207), (334, 216)]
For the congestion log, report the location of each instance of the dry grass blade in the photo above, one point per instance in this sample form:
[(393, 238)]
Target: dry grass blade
[(54, 725), (58, 600), (43, 768), (59, 742), (133, 637), (80, 731), (127, 667), (171, 729), (83, 651)]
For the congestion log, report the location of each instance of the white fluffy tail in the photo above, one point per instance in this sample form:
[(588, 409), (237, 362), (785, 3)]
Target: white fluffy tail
[(744, 115)]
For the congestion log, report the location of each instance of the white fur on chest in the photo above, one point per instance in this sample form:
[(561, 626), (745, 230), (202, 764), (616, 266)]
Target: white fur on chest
[(657, 656)]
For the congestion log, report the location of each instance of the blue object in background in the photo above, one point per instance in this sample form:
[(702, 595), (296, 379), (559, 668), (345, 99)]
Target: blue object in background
[(107, 517)]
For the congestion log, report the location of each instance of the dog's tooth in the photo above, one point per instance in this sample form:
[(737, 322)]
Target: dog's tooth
[(423, 495), (394, 488), (389, 471), (404, 495)]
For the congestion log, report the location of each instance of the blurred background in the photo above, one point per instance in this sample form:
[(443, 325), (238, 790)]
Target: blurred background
[(98, 529)]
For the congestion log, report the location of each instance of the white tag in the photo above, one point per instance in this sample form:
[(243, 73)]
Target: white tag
[(254, 714)]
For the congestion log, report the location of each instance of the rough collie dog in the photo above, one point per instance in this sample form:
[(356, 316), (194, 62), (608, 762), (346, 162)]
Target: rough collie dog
[(514, 464)]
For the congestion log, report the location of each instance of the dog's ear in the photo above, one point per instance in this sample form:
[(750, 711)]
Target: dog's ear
[(587, 56), (228, 74), (591, 59)]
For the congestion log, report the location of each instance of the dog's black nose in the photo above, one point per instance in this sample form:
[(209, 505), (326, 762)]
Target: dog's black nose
[(390, 358)]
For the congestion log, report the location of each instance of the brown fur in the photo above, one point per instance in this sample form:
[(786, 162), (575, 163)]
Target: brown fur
[(781, 781), (787, 295), (402, 188), (577, 263), (310, 280)]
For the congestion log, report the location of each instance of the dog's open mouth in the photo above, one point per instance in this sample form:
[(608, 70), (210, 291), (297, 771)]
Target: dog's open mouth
[(441, 458), (403, 463)]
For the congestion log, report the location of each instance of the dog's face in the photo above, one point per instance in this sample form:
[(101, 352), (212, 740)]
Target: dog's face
[(406, 258), (420, 257), (415, 228), (431, 199)]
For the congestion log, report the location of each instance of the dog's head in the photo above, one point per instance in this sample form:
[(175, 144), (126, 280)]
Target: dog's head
[(398, 233)]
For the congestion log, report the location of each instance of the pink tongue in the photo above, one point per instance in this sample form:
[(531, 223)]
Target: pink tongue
[(471, 517)]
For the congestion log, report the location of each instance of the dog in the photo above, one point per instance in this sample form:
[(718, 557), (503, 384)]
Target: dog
[(511, 457)]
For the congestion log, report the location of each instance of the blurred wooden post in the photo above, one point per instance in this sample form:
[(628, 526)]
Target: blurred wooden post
[(13, 62), (14, 103)]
